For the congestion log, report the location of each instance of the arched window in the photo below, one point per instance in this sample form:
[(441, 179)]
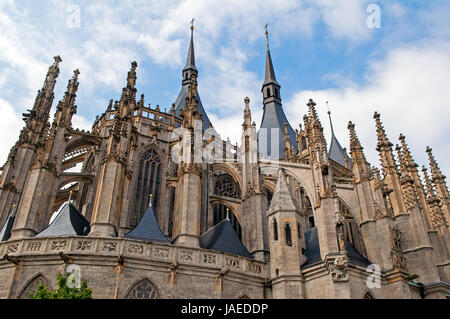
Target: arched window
[(299, 230), (32, 285), (143, 289), (303, 143), (148, 181), (226, 186), (275, 229), (171, 209), (288, 234), (368, 295), (276, 92), (268, 92), (351, 230), (220, 213), (269, 196)]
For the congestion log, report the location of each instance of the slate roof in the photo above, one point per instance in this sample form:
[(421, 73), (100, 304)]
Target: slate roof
[(5, 233), (270, 73), (180, 103), (68, 222), (222, 237), (312, 251), (274, 118), (336, 153), (148, 229)]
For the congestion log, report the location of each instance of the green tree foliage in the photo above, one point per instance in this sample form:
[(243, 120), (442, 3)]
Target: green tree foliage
[(63, 291)]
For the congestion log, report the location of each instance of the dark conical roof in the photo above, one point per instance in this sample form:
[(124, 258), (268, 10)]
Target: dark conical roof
[(273, 120), (68, 222), (180, 102), (222, 237), (270, 73), (5, 233), (190, 61), (336, 153), (148, 229)]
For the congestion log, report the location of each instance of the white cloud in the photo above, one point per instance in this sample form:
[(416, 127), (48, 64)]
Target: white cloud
[(11, 125), (409, 89)]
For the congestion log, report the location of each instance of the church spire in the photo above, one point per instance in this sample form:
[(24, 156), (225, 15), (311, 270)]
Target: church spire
[(270, 73), (336, 152), (190, 68)]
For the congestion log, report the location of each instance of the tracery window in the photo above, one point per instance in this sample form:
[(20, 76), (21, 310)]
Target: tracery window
[(31, 287), (171, 209), (226, 186), (351, 230), (303, 143), (148, 182), (143, 289)]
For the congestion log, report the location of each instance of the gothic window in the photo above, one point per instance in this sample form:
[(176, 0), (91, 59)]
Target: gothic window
[(303, 143), (143, 289), (171, 209), (276, 93), (351, 230), (220, 213), (268, 92), (269, 196), (275, 229), (32, 285), (299, 230), (89, 166), (368, 295), (148, 181), (288, 234), (226, 186), (311, 222)]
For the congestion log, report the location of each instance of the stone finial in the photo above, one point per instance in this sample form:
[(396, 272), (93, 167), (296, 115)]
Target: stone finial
[(434, 167)]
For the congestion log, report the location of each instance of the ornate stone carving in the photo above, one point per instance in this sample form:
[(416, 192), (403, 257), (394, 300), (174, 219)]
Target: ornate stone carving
[(254, 267), (186, 255), (34, 246), (339, 269), (58, 245), (109, 247), (209, 259), (160, 252), (136, 249), (84, 245), (13, 248), (398, 259), (232, 262)]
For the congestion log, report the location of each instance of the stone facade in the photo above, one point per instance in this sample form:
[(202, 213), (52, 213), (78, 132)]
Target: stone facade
[(319, 224)]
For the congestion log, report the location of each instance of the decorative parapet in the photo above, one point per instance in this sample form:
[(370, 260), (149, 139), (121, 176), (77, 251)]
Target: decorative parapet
[(116, 247)]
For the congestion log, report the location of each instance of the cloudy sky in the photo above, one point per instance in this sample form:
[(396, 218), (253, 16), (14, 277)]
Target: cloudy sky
[(328, 50)]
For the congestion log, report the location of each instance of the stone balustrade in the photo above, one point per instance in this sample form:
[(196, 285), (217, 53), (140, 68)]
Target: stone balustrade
[(73, 246)]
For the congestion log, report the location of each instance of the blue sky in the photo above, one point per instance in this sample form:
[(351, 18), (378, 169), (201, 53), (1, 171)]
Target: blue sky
[(321, 49)]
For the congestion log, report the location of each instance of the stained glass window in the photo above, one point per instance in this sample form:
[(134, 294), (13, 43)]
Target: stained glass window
[(148, 182)]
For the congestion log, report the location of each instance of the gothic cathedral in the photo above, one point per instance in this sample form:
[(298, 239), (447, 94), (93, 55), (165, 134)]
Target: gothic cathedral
[(163, 208)]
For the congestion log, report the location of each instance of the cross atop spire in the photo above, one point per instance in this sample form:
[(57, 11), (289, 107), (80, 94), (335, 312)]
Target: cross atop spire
[(267, 35)]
